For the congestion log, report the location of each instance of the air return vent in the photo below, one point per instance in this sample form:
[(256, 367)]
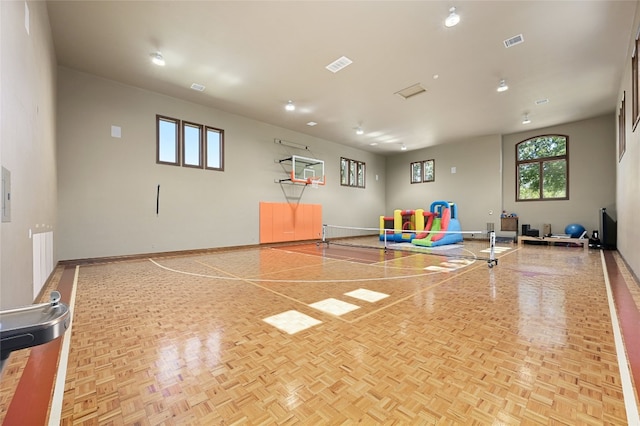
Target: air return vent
[(510, 42), (198, 87), (339, 64), (411, 91)]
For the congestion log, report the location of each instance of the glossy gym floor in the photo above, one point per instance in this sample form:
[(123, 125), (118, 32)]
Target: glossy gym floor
[(308, 334)]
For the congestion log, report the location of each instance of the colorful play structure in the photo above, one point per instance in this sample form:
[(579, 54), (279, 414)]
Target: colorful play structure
[(436, 227)]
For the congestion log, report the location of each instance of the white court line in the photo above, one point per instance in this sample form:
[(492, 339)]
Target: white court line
[(258, 280), (633, 418), (61, 376)]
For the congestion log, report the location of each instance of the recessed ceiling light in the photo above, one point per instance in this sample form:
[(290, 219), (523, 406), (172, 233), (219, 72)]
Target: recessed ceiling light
[(290, 106), (525, 119), (158, 59), (340, 63), (436, 76), (359, 131), (198, 87), (373, 143), (453, 19), (312, 123), (403, 147), (502, 87)]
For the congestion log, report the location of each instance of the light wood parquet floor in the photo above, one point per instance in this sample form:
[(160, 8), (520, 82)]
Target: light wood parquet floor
[(183, 341)]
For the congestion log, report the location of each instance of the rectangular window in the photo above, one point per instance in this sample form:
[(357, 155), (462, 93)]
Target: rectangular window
[(344, 171), (423, 171), (167, 140), (360, 182), (554, 176), (214, 147), (188, 144), (622, 125), (529, 181), (352, 173), (429, 170), (635, 86), (416, 172), (191, 145)]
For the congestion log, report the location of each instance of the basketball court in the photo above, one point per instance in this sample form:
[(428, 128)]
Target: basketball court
[(349, 282), (313, 333)]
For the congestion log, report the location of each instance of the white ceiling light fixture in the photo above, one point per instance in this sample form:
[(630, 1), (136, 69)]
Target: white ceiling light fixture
[(312, 123), (158, 59), (359, 131), (453, 19), (403, 147), (502, 86), (526, 119), (290, 106)]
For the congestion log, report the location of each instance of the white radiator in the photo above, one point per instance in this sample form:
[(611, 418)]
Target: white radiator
[(42, 260)]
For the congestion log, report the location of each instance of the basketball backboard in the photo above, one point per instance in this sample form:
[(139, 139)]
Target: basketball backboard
[(307, 170)]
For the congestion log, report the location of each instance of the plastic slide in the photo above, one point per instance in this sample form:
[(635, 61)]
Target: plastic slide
[(445, 220), (427, 237)]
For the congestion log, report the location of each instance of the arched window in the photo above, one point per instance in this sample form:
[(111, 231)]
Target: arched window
[(542, 168)]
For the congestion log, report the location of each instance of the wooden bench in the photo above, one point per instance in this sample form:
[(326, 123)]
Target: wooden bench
[(551, 240)]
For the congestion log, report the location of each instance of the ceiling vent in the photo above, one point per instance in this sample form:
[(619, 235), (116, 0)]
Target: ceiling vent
[(411, 91), (339, 64), (542, 101), (510, 42), (198, 87)]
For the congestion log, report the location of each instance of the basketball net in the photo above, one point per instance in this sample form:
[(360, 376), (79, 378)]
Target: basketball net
[(314, 182)]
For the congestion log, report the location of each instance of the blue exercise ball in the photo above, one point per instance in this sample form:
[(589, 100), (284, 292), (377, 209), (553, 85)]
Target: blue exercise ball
[(574, 230)]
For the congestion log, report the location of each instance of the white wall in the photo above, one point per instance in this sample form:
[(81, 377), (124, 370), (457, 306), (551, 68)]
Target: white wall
[(27, 132), (480, 186), (591, 176), (475, 186), (628, 171), (108, 186)]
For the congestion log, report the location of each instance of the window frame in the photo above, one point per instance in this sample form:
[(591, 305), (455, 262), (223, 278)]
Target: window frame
[(353, 173), (418, 171), (160, 118), (622, 124), (415, 172), (433, 170), (635, 85), (220, 149), (183, 144), (361, 172), (540, 162), (180, 147)]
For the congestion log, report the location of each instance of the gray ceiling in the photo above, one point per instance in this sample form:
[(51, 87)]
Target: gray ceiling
[(255, 56)]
